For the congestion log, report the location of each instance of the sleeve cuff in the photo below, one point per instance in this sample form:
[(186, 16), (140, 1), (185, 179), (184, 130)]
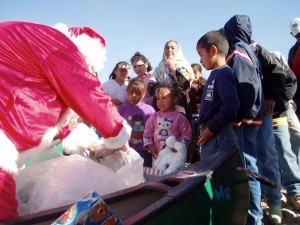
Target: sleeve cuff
[(121, 139)]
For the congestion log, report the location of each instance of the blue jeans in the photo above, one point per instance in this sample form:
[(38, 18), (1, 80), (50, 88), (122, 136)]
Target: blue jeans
[(225, 138), (294, 129), (267, 160), (247, 143), (287, 160)]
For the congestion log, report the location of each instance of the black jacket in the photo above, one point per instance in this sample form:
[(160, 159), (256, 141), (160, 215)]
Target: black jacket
[(278, 84)]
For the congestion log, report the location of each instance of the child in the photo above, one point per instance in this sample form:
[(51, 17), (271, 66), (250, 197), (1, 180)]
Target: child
[(167, 121), (136, 112), (142, 67), (195, 95), (219, 102), (196, 90)]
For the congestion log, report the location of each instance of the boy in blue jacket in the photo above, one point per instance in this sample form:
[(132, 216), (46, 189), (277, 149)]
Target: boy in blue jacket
[(219, 102)]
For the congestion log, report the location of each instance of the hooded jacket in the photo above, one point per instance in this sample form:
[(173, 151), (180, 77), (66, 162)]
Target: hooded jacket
[(245, 65)]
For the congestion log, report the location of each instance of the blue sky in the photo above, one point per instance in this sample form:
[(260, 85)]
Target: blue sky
[(145, 25)]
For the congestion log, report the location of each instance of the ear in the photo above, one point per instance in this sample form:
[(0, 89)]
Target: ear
[(214, 49)]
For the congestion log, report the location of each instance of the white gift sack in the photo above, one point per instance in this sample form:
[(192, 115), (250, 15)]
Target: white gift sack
[(66, 179)]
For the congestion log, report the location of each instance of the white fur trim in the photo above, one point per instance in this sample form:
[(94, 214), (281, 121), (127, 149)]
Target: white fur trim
[(24, 156), (80, 139), (121, 139), (11, 159), (91, 48), (8, 154)]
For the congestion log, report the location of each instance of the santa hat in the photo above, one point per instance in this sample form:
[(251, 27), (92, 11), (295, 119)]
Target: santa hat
[(89, 42)]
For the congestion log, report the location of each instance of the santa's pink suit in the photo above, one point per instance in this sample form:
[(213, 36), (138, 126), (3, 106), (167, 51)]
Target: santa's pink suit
[(42, 76)]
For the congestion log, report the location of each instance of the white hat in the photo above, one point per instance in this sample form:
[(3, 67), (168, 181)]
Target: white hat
[(295, 26), (90, 44)]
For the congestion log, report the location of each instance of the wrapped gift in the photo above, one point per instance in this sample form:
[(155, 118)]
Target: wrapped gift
[(90, 210)]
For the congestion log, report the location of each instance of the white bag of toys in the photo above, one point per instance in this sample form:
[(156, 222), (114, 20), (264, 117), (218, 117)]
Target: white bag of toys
[(65, 179)]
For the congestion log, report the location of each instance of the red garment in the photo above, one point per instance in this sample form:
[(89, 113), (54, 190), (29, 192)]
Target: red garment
[(8, 202), (296, 63), (42, 74)]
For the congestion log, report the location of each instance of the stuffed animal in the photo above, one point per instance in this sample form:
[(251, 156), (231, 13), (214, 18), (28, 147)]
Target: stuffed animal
[(172, 157)]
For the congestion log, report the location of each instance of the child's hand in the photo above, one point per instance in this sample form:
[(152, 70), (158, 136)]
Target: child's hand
[(205, 136), (153, 150)]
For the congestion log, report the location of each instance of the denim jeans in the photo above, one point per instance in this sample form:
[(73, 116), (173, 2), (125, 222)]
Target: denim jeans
[(287, 160), (294, 129), (225, 138), (246, 136), (267, 160)]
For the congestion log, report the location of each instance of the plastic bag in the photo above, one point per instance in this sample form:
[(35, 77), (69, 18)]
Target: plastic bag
[(64, 180), (117, 159)]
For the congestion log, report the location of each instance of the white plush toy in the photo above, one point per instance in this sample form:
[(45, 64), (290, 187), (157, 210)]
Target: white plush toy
[(172, 157)]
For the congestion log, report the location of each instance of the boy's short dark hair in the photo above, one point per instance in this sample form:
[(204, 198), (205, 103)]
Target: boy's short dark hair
[(215, 38)]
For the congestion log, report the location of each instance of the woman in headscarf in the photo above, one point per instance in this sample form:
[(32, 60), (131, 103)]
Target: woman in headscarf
[(174, 68)]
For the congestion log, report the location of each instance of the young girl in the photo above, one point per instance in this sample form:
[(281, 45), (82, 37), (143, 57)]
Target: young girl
[(142, 68), (136, 113), (167, 121), (116, 86)]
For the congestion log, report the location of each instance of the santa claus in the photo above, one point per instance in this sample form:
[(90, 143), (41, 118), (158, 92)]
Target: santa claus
[(43, 77)]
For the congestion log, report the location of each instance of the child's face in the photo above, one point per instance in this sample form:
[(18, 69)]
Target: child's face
[(134, 96), (165, 101), (139, 67), (206, 58), (171, 50), (196, 72)]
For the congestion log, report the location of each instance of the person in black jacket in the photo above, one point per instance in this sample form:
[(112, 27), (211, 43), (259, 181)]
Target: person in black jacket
[(287, 138), (273, 81)]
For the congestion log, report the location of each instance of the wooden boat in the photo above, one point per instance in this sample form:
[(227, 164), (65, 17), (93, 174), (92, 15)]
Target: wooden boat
[(211, 191)]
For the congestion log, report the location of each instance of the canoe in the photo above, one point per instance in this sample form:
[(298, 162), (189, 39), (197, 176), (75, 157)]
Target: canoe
[(212, 191)]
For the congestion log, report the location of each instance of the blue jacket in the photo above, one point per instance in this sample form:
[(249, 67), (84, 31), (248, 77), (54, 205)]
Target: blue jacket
[(246, 67), (219, 102)]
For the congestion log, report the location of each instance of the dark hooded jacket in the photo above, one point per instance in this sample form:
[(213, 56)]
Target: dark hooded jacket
[(245, 64)]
